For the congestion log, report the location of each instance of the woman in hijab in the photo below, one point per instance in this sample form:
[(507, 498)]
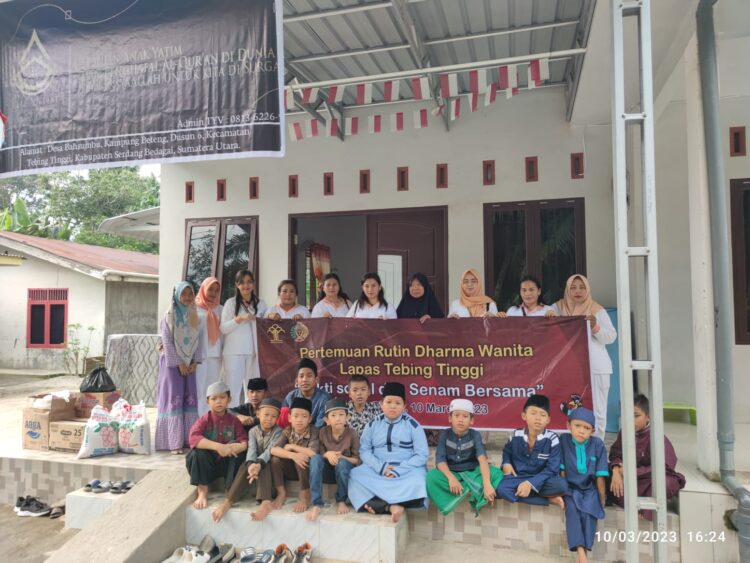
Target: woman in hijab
[(472, 301), (419, 301), (209, 314), (182, 351), (577, 301)]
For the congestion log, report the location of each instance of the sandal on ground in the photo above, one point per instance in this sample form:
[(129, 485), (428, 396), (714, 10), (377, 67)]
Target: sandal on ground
[(57, 511), (219, 552), (102, 487), (248, 555), (91, 484)]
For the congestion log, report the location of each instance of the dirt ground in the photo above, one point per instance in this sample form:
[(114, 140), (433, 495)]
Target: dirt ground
[(30, 540)]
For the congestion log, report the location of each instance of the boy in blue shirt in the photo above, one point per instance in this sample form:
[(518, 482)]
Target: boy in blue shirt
[(531, 459)]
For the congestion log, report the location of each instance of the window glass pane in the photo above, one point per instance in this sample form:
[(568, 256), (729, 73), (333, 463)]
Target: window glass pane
[(236, 256), (200, 254), (37, 324), (746, 215), (558, 250), (56, 324), (509, 256)]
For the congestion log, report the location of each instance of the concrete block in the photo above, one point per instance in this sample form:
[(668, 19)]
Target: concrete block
[(82, 508)]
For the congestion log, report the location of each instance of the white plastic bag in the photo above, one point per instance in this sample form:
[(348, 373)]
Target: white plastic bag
[(100, 435), (133, 430)]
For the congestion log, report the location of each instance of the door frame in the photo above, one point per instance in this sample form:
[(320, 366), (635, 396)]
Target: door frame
[(366, 213)]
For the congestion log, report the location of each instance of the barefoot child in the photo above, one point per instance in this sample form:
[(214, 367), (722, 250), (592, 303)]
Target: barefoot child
[(361, 411), (394, 455), (675, 480), (462, 466), (307, 387), (257, 467), (339, 454), (216, 440), (531, 459), (247, 412), (291, 454), (584, 465)]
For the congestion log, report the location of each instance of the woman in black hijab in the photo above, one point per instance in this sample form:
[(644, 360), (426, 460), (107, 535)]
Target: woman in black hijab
[(419, 301)]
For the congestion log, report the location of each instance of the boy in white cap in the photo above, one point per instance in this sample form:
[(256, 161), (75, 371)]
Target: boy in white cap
[(462, 467)]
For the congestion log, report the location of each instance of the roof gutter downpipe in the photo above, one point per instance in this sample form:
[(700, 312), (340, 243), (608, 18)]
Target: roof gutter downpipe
[(724, 335)]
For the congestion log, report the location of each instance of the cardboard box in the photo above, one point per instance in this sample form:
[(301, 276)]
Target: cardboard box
[(66, 435), (37, 416), (87, 401)]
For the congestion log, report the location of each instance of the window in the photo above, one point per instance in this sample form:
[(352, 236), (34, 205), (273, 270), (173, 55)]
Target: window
[(488, 172), (364, 181), (441, 176), (254, 187), (328, 183), (220, 247), (737, 141), (532, 168), (740, 197), (576, 165), (221, 190), (402, 178), (293, 186), (542, 238), (47, 318), (189, 192)]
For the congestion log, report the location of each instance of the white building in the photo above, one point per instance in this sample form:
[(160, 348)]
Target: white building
[(55, 285)]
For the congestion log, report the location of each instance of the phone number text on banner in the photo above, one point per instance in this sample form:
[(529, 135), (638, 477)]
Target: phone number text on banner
[(496, 363)]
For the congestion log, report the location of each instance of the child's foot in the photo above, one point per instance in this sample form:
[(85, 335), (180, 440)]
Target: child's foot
[(581, 555), (264, 510), (313, 513), (221, 510), (303, 502), (557, 501), (342, 508), (397, 511), (279, 500), (202, 501)]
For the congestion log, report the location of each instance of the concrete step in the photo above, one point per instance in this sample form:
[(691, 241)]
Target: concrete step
[(349, 537), (83, 508)]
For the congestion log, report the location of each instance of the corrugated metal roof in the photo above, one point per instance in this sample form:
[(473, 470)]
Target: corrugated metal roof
[(96, 257)]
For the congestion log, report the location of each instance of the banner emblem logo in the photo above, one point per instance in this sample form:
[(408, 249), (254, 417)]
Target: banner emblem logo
[(34, 73), (299, 332), (275, 332)]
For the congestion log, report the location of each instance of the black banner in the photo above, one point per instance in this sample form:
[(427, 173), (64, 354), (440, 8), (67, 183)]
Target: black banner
[(90, 83)]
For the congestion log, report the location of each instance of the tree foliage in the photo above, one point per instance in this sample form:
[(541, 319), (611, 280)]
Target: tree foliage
[(71, 206)]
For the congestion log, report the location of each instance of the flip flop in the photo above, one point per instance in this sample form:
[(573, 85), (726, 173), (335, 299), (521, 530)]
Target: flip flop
[(118, 488), (91, 484), (57, 512), (103, 487)]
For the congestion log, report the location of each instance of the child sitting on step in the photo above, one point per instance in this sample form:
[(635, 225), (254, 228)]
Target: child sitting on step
[(257, 467), (257, 388), (216, 440), (531, 459), (675, 480), (339, 454), (291, 454), (394, 455), (361, 411), (462, 467), (584, 465)]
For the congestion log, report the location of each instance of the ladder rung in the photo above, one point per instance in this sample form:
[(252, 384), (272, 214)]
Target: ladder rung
[(636, 364), (636, 117), (638, 251), (649, 503)]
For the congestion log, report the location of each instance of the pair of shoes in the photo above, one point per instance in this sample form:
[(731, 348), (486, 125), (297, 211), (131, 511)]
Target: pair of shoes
[(102, 487), (91, 484), (20, 501), (33, 507), (120, 487), (303, 554)]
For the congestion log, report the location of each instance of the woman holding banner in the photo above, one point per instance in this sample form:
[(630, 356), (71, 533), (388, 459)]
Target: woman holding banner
[(531, 304), (371, 303), (419, 301), (332, 301), (472, 302), (577, 301)]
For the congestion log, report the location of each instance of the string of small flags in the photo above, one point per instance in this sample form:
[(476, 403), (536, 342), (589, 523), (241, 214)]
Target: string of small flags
[(537, 73)]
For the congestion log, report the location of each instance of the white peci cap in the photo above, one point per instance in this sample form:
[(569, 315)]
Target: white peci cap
[(461, 405)]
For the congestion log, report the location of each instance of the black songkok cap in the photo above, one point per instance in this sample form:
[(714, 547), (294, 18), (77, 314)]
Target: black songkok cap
[(537, 401), (257, 384), (302, 403), (394, 388), (308, 363)]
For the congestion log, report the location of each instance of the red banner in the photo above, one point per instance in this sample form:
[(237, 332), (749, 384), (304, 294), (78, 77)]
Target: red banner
[(496, 363)]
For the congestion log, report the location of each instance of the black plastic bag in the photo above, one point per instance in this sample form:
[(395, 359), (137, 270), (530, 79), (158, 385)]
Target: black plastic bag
[(97, 381)]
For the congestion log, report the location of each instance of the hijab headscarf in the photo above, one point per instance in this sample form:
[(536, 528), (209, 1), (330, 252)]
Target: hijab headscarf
[(202, 300), (569, 308), (412, 308), (184, 324), (477, 305)]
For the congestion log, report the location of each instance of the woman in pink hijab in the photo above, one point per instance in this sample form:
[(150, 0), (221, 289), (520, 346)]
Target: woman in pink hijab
[(577, 301), (209, 313)]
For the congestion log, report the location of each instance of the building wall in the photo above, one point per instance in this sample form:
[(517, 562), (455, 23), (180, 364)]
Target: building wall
[(85, 307), (131, 308)]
